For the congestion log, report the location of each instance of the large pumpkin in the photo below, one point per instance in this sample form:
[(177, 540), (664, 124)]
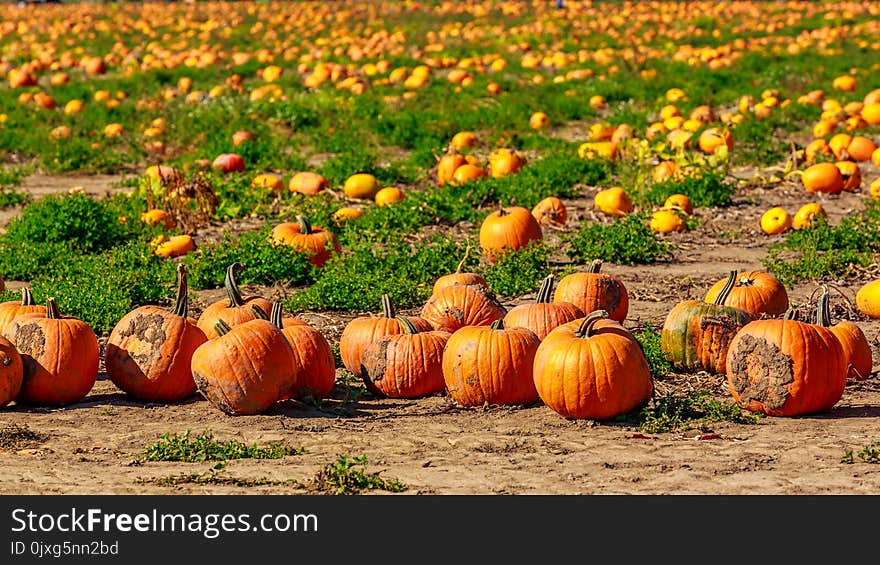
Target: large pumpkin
[(592, 290), (491, 364), (757, 292), (312, 352), (235, 310), (406, 364), (696, 335), (856, 349), (592, 368), (14, 308), (317, 243), (60, 356), (149, 352), (544, 315), (462, 305), (508, 229), (11, 372), (246, 369), (361, 332), (785, 367)]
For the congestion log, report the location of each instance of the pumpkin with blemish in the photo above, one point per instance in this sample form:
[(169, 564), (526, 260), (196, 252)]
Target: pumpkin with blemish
[(59, 355), (543, 315), (11, 372), (785, 367), (550, 211), (149, 352), (235, 309), (462, 305), (592, 290), (757, 292), (406, 364), (14, 308), (856, 348), (696, 335), (491, 365)]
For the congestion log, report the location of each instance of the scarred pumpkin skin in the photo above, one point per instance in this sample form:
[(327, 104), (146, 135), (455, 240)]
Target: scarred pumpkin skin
[(786, 368), (361, 332), (149, 352), (14, 308), (235, 309), (757, 292), (11, 372), (457, 306), (593, 291), (406, 364), (544, 315), (592, 368), (491, 364), (696, 335), (60, 356), (247, 369)]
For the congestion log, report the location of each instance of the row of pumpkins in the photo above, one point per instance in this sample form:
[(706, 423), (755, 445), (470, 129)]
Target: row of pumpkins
[(569, 349)]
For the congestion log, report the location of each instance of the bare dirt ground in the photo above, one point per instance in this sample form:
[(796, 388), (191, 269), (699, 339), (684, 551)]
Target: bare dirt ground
[(434, 447)]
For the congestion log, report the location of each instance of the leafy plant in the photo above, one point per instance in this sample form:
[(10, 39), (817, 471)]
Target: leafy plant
[(649, 339), (675, 412), (625, 241), (868, 454), (204, 447), (347, 475), (519, 271), (705, 188)]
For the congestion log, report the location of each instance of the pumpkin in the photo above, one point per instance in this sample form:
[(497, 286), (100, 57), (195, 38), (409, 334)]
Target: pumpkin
[(775, 221), (508, 229), (466, 173), (246, 369), (458, 277), (149, 351), (312, 353), (361, 186), (407, 364), (544, 315), (592, 368), (823, 177), (317, 243), (666, 220), (14, 308), (592, 290), (228, 163), (447, 166), (550, 212), (235, 310), (867, 299), (851, 175), (308, 183), (757, 292), (679, 202), (613, 201), (11, 372), (503, 162), (59, 355), (462, 305), (388, 195), (856, 349), (491, 365), (807, 214), (361, 332), (785, 367), (696, 335), (174, 246)]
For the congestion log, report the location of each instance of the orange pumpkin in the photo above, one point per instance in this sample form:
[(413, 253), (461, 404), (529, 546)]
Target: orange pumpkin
[(59, 354), (312, 353), (757, 292), (447, 166), (148, 353), (856, 349), (308, 183), (491, 365), (823, 177), (592, 368), (235, 310), (544, 315), (592, 290), (317, 243), (12, 309), (508, 229), (462, 305), (550, 211), (11, 372)]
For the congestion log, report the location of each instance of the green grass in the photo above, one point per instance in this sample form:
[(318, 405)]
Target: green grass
[(624, 241), (675, 412), (650, 341), (348, 475), (519, 271), (204, 447)]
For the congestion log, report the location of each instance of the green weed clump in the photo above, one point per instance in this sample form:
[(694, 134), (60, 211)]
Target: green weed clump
[(519, 271), (675, 412), (347, 475), (204, 447), (650, 340), (709, 188), (625, 241)]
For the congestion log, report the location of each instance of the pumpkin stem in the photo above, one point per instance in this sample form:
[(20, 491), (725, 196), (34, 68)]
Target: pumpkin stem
[(595, 266), (259, 312), (823, 309), (232, 290), (726, 289), (498, 324), (792, 314), (305, 227), (546, 290), (388, 310), (27, 299), (181, 305), (502, 212), (277, 316), (407, 326), (222, 328), (586, 328), (52, 311), (467, 251)]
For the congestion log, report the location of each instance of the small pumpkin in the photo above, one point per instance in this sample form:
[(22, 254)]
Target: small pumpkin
[(550, 211), (696, 335), (308, 183), (856, 349), (149, 352), (868, 299), (317, 243), (544, 315), (757, 292), (59, 354), (14, 308), (785, 367), (406, 364), (592, 368), (459, 277), (491, 365), (508, 229), (11, 372), (235, 310), (823, 177), (592, 290), (462, 305), (361, 332)]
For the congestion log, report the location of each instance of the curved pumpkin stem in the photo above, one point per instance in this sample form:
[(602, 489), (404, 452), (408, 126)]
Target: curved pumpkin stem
[(407, 326), (595, 266), (498, 324), (305, 227), (52, 311), (259, 312), (586, 328), (232, 290), (792, 314), (467, 251), (222, 328), (277, 315), (388, 310), (181, 305), (546, 291), (27, 299), (823, 309), (726, 289)]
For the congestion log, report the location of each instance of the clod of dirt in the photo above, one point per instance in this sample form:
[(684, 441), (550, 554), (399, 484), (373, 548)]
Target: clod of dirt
[(150, 331), (15, 437), (759, 371)]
